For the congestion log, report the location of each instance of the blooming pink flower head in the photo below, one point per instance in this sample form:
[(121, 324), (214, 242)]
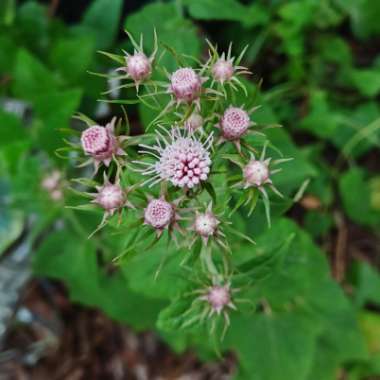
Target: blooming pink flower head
[(234, 123), (185, 84), (159, 213), (139, 67), (101, 143), (205, 224), (256, 173), (222, 70), (194, 122), (182, 160), (110, 197), (219, 297)]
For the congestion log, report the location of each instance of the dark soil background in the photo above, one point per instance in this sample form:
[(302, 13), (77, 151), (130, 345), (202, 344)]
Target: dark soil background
[(58, 340)]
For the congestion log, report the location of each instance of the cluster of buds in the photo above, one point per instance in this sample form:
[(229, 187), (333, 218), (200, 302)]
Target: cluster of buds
[(182, 157)]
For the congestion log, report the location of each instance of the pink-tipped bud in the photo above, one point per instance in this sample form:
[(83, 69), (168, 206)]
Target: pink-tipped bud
[(219, 297), (234, 123), (56, 195), (223, 70), (110, 197), (205, 224), (159, 213), (101, 143), (186, 84), (256, 173), (51, 181), (194, 122), (139, 67), (95, 140)]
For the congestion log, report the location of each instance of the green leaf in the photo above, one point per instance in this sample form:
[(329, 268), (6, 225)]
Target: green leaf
[(7, 60), (11, 129), (31, 78), (318, 223), (11, 226), (321, 120), (65, 256), (299, 283), (211, 191), (335, 49), (174, 316), (33, 26), (102, 19), (370, 326), (264, 263), (368, 285), (364, 16), (7, 12), (327, 121), (141, 271), (367, 81), (274, 347), (72, 57), (172, 29), (294, 172), (231, 10), (340, 340), (55, 111), (356, 196)]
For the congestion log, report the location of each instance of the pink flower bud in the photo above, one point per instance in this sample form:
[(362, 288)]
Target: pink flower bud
[(219, 297), (101, 143), (186, 84), (51, 181), (205, 224), (234, 123), (110, 197), (159, 213), (194, 122), (256, 173), (139, 67), (56, 195), (223, 70), (95, 140)]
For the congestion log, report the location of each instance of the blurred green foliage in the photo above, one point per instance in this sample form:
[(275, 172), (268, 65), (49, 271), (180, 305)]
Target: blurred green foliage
[(321, 68)]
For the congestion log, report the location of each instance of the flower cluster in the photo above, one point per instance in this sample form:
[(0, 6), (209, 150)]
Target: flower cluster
[(184, 165)]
